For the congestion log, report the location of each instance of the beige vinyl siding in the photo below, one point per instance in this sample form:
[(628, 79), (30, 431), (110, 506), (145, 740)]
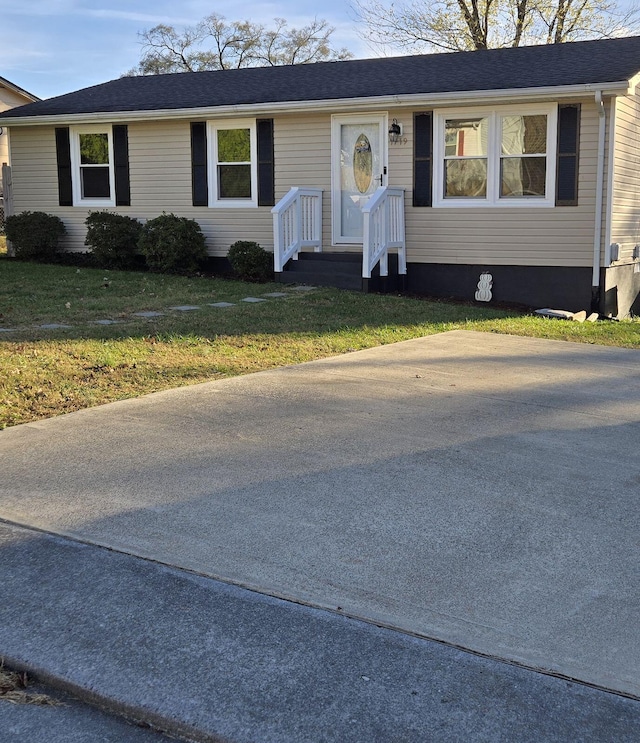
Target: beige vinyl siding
[(160, 171), (556, 236), (11, 99), (503, 236), (302, 146), (625, 217), (160, 167), (8, 99), (34, 174)]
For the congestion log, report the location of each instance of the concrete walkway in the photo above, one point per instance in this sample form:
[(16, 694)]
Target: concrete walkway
[(473, 488)]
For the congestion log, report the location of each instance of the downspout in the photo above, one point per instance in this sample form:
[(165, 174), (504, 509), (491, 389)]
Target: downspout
[(597, 235)]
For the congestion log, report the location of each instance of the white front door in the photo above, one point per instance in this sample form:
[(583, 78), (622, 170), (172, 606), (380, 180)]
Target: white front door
[(359, 166)]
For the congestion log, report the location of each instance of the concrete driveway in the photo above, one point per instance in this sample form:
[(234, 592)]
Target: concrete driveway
[(477, 489)]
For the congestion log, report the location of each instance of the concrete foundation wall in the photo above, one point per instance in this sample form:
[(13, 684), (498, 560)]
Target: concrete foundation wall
[(558, 287), (622, 290)]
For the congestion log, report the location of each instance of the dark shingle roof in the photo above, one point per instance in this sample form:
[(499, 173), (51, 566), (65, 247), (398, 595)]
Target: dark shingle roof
[(580, 63)]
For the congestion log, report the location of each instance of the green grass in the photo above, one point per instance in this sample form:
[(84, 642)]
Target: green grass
[(49, 372)]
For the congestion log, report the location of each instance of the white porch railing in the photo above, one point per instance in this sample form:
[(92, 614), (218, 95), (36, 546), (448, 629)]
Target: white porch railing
[(383, 230), (297, 224)]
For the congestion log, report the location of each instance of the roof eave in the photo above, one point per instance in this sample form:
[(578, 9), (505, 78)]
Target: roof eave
[(633, 82), (17, 89), (344, 104)]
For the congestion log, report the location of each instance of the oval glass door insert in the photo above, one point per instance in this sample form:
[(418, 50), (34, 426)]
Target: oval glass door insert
[(362, 163)]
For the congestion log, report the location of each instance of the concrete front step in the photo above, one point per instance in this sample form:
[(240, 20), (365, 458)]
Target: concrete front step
[(340, 270)]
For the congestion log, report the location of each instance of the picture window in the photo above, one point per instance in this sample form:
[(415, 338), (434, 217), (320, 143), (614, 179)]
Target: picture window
[(502, 157)]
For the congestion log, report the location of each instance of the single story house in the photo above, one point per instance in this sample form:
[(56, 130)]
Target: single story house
[(10, 96), (506, 175)]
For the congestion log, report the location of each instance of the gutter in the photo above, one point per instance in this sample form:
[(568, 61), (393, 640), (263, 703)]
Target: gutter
[(334, 104), (597, 234), (611, 174)]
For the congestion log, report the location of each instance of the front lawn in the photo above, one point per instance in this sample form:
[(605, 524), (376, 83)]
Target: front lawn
[(49, 371)]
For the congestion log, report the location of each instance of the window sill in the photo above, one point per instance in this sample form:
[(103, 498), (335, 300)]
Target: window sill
[(94, 202), (233, 204), (506, 203)]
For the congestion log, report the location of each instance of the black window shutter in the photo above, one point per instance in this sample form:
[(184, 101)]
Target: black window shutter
[(422, 158), (568, 154), (121, 164), (199, 180), (266, 164), (63, 157)]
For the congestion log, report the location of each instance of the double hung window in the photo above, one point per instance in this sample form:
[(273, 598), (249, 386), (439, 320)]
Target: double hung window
[(233, 163), (496, 157), (465, 157), (92, 166), (523, 156)]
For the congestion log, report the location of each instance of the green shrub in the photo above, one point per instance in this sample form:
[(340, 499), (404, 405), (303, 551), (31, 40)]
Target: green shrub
[(172, 244), (250, 261), (34, 235), (113, 239)]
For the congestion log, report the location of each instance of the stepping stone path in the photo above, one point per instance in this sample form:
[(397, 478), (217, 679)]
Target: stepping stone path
[(177, 308)]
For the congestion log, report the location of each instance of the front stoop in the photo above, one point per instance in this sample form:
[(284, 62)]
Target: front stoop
[(340, 270)]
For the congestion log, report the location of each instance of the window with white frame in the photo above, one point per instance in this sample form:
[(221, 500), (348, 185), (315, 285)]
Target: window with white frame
[(465, 158), (233, 163), (92, 166), (499, 157)]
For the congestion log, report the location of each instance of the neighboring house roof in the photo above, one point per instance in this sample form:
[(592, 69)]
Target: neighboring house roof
[(585, 63), (4, 83)]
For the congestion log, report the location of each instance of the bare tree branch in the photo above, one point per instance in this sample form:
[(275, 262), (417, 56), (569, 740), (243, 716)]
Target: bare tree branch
[(215, 44), (459, 25)]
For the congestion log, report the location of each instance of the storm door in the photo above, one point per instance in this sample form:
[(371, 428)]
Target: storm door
[(359, 166)]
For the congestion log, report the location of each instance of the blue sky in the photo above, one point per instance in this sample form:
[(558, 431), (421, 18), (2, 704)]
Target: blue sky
[(50, 47)]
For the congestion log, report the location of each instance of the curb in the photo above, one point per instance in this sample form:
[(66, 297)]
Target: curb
[(135, 714)]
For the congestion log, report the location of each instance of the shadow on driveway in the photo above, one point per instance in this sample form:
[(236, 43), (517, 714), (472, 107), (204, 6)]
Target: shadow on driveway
[(476, 489)]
